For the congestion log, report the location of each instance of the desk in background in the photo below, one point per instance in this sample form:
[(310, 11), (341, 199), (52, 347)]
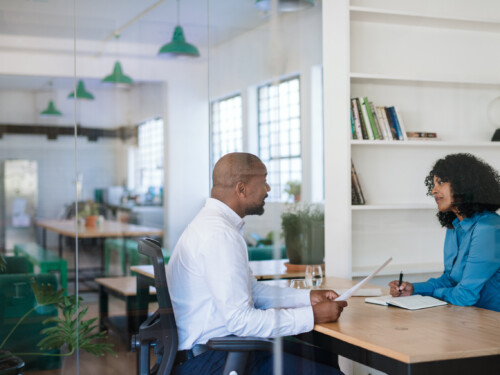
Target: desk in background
[(108, 229)]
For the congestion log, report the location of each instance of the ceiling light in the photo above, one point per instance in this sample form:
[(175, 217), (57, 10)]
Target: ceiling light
[(178, 46), (50, 111), (81, 93), (117, 76), (285, 5)]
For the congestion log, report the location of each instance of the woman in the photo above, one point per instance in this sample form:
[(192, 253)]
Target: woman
[(467, 194)]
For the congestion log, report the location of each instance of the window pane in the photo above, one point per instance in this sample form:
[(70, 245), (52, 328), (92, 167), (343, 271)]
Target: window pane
[(279, 142)]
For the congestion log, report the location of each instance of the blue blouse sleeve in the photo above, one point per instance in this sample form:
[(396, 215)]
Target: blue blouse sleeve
[(428, 287), (481, 264)]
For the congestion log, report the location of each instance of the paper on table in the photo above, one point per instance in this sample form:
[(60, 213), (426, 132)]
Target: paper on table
[(350, 292)]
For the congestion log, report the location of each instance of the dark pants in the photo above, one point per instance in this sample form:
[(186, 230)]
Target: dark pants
[(298, 358)]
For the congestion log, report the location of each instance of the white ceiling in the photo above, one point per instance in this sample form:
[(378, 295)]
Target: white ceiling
[(204, 22)]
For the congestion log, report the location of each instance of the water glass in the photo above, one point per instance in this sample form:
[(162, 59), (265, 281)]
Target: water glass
[(298, 284), (314, 276)]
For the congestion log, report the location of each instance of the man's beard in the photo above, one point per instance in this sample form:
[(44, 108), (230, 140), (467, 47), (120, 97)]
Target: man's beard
[(255, 210)]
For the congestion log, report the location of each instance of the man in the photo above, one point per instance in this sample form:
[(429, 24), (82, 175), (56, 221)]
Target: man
[(213, 290)]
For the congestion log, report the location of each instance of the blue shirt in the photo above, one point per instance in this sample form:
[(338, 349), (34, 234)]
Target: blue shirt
[(471, 264)]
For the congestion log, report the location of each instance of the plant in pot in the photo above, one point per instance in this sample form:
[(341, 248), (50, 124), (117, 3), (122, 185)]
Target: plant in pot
[(65, 331), (304, 233), (90, 213), (293, 189)]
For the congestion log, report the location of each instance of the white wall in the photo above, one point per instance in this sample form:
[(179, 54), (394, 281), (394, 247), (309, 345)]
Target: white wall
[(290, 46)]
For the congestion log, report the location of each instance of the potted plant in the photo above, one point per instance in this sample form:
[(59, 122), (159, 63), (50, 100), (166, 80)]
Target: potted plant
[(304, 232), (293, 189), (90, 213), (66, 331)]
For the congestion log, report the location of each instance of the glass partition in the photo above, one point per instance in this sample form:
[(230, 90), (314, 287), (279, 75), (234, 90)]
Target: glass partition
[(112, 116)]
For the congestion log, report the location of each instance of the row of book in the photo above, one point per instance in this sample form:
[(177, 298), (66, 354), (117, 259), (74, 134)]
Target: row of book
[(372, 122), (357, 196)]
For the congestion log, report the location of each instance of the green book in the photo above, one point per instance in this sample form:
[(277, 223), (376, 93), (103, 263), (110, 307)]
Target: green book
[(373, 125)]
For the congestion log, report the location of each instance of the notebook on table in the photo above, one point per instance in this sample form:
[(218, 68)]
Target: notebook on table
[(414, 302)]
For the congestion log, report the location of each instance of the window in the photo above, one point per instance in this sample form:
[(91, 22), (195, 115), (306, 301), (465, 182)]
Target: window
[(279, 135), (150, 155), (227, 128)]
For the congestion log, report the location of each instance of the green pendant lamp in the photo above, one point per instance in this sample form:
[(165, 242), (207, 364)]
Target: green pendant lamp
[(178, 46), (285, 5), (50, 111), (117, 76), (81, 92)]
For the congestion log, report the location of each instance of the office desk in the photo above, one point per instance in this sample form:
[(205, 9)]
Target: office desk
[(440, 340), (108, 229)]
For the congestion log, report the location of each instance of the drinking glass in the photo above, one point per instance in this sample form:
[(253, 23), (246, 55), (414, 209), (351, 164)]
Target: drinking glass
[(298, 284), (314, 275)]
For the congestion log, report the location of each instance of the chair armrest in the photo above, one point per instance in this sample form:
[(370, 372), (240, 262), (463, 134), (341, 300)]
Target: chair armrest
[(239, 344)]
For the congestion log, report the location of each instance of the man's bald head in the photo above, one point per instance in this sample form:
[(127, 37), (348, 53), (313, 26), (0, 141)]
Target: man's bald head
[(235, 167)]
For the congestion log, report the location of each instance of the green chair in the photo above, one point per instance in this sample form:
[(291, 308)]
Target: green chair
[(17, 265), (17, 298), (45, 259), (115, 245), (265, 252)]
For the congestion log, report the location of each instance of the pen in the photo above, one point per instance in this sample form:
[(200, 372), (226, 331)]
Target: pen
[(400, 280)]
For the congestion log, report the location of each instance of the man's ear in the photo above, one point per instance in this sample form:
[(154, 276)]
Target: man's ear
[(241, 189)]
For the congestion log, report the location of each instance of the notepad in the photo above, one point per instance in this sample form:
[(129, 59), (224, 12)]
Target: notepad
[(414, 302)]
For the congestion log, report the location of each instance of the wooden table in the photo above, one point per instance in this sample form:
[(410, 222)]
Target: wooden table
[(440, 340), (108, 229), (262, 270)]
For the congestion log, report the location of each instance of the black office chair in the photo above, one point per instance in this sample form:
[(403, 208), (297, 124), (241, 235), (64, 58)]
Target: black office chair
[(160, 330)]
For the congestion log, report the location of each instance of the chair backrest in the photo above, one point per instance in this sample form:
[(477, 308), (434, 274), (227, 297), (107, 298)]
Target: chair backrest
[(16, 265), (161, 326)]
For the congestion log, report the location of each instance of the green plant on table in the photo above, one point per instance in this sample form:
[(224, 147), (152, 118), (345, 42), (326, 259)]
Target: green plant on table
[(304, 232), (90, 208), (293, 189)]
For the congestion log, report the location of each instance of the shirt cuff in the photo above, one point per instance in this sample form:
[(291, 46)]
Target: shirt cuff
[(302, 297), (304, 319), (439, 293)]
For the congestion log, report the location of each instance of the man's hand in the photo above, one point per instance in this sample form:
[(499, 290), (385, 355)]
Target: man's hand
[(318, 296), (328, 311), (406, 288)]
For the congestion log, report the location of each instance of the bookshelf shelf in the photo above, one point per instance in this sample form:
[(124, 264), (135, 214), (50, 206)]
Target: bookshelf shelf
[(407, 206), (369, 14), (423, 143), (395, 269), (386, 78)]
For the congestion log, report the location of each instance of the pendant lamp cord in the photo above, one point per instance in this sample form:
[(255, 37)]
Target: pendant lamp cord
[(178, 12)]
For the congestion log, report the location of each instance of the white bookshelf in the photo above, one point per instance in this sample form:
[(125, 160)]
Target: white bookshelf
[(438, 62)]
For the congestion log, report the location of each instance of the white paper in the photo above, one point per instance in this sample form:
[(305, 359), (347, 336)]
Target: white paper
[(350, 292)]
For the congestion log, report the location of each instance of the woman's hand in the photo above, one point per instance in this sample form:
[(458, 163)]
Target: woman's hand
[(406, 288)]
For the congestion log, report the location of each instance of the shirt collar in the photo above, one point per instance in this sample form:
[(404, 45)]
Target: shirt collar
[(467, 223), (227, 212)]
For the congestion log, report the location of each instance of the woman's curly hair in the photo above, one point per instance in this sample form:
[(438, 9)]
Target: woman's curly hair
[(475, 185)]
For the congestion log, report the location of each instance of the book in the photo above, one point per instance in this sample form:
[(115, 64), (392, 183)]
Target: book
[(401, 123), (377, 123), (391, 123), (385, 123), (414, 302), (421, 135), (369, 113), (357, 197), (357, 122), (353, 128), (392, 114), (364, 132), (365, 118)]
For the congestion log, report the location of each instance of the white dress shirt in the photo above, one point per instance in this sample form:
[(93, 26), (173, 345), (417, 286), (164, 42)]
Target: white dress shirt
[(214, 292)]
